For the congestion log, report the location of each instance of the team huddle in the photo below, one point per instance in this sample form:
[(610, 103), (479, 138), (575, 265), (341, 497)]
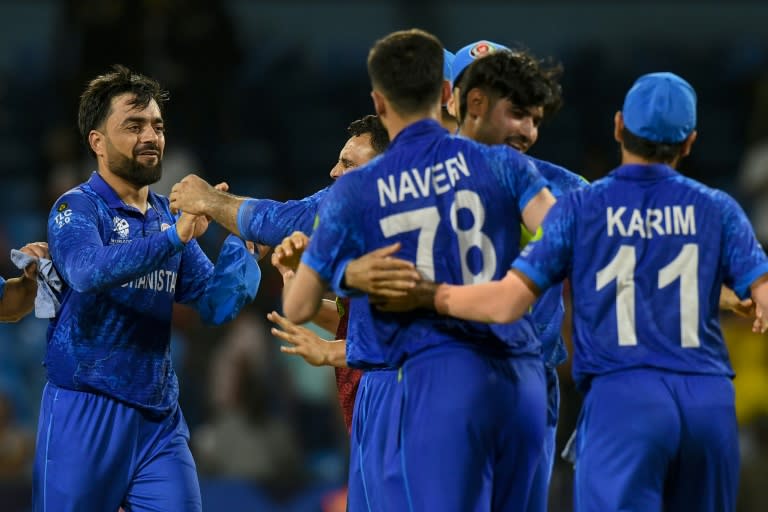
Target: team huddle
[(447, 249)]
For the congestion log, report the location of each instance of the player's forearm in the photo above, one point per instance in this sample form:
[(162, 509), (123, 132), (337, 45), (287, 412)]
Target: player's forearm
[(268, 222), (759, 291), (302, 295), (327, 316), (18, 298), (494, 302), (223, 208), (90, 267), (336, 355), (536, 209)]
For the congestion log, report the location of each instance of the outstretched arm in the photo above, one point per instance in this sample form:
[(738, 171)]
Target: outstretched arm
[(305, 343), (494, 302), (302, 295), (729, 301), (18, 294), (760, 295), (285, 259), (536, 209), (380, 274), (195, 195)]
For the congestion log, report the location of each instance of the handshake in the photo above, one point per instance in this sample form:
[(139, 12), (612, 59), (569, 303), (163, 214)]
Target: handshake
[(200, 203)]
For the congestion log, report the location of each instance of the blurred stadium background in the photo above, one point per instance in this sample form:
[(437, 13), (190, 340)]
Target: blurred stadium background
[(261, 94)]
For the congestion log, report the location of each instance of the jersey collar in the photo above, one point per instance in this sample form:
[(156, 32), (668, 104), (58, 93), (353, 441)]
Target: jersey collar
[(103, 189), (644, 172), (415, 131)]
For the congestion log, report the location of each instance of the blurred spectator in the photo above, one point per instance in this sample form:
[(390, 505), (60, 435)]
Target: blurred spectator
[(753, 185), (243, 439), (16, 444)]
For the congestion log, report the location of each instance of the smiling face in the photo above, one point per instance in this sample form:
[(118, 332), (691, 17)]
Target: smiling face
[(357, 151), (499, 121), (130, 145)]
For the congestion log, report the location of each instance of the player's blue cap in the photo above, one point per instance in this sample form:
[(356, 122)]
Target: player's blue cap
[(660, 107), (470, 53), (447, 64)]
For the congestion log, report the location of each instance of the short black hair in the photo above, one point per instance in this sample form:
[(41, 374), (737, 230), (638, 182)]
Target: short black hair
[(371, 125), (515, 75), (649, 150), (96, 100), (407, 68)]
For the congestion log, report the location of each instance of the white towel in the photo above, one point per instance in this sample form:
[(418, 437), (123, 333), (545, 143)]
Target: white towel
[(48, 282)]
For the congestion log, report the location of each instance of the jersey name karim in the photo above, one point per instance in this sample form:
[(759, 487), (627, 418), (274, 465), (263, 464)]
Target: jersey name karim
[(669, 220)]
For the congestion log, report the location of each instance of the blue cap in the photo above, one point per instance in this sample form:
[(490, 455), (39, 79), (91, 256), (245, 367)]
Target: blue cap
[(660, 107), (447, 64), (470, 53)]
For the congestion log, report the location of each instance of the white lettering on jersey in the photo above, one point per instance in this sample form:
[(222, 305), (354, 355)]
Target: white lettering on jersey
[(671, 220), (414, 184), (159, 281), (63, 218)]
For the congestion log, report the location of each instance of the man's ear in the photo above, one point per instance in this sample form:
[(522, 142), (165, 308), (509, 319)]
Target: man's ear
[(618, 126), (379, 103), (688, 143), (96, 142), (445, 95), (478, 103)]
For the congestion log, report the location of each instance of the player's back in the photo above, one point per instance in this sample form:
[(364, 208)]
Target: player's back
[(455, 207), (648, 263)]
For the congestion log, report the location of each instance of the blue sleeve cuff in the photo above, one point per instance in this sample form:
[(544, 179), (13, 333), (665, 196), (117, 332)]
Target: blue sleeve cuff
[(242, 213), (741, 288), (538, 278), (530, 192), (173, 236), (338, 279)]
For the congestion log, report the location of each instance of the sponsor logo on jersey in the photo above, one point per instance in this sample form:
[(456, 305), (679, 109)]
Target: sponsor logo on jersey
[(120, 227), (62, 207), (63, 217)]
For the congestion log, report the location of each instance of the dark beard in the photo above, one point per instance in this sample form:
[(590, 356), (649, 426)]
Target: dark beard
[(133, 172)]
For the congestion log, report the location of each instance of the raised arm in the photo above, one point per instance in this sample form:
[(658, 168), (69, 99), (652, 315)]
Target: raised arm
[(305, 343), (262, 220), (536, 209), (759, 291), (195, 195), (219, 291), (88, 265), (494, 302)]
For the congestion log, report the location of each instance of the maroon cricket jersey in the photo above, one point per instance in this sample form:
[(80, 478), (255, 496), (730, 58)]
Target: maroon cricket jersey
[(347, 379)]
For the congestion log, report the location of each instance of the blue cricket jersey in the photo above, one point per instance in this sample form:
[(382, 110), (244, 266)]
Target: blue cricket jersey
[(548, 312), (455, 205), (646, 250), (267, 222), (122, 271)]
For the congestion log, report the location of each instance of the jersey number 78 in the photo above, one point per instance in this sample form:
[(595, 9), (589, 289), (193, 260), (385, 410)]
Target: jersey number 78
[(426, 220)]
